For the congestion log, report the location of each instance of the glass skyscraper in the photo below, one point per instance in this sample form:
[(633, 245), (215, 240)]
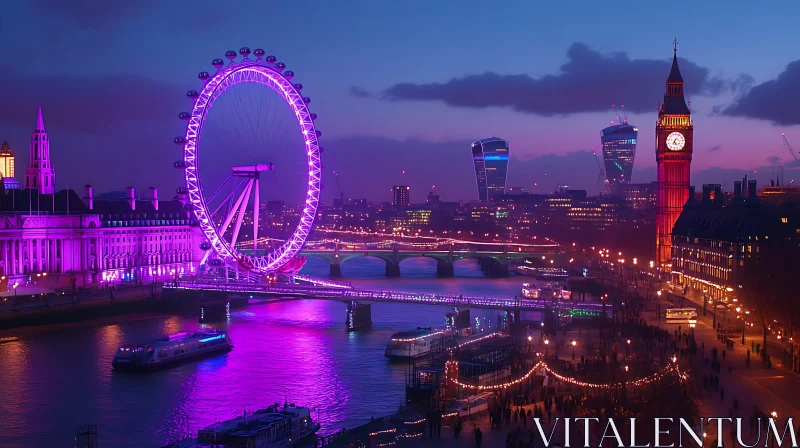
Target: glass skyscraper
[(490, 156), (619, 149)]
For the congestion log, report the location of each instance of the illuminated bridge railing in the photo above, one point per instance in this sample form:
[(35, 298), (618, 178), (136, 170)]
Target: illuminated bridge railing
[(580, 308)]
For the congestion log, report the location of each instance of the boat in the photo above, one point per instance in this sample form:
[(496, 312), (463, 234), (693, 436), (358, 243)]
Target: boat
[(546, 290), (359, 316), (471, 405), (171, 350), (272, 427), (413, 344)]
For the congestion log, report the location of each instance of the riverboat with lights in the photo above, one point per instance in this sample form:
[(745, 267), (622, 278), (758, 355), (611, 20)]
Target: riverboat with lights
[(413, 344), (171, 350), (546, 290), (272, 427)]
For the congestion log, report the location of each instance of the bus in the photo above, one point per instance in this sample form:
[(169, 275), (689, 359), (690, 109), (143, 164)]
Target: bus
[(680, 315)]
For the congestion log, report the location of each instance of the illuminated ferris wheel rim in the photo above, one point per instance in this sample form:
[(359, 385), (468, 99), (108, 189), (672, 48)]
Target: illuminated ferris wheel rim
[(271, 74)]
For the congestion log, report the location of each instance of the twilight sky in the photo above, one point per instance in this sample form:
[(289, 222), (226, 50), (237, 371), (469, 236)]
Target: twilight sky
[(406, 85)]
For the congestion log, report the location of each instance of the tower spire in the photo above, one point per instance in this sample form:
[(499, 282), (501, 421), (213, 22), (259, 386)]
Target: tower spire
[(40, 120)]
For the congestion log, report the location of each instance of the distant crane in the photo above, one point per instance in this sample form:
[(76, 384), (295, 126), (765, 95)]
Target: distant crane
[(791, 150), (341, 193), (624, 119), (602, 172)]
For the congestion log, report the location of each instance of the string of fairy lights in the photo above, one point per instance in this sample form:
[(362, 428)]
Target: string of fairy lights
[(671, 369)]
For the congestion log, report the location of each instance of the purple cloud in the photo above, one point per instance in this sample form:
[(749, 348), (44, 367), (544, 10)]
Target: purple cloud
[(97, 104), (94, 14), (774, 100), (358, 92), (589, 82)]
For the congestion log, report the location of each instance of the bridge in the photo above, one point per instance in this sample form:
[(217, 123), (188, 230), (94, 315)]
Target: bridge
[(345, 293), (494, 258)]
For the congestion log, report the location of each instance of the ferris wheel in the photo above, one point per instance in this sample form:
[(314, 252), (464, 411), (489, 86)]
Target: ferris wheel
[(234, 198)]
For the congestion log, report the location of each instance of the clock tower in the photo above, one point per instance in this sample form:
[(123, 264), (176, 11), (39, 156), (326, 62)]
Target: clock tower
[(674, 146)]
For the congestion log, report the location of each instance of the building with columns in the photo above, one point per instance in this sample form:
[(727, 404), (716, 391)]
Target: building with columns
[(73, 239)]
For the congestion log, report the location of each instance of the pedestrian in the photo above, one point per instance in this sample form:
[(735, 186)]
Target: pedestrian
[(478, 437)]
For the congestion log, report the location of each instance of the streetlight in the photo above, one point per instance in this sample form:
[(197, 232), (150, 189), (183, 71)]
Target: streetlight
[(658, 304), (15, 288), (573, 349), (546, 344)]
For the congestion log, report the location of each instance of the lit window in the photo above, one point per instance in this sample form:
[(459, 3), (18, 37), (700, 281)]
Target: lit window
[(785, 220)]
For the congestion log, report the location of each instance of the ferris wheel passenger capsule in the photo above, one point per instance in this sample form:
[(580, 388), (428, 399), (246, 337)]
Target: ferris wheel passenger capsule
[(288, 74), (203, 76), (205, 245), (192, 94), (218, 63), (184, 115), (319, 133), (244, 51), (179, 141), (306, 99), (180, 164), (230, 54), (280, 66), (180, 190), (271, 59), (313, 116), (321, 149), (259, 53), (298, 86)]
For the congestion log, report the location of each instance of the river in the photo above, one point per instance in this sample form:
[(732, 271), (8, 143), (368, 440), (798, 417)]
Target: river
[(52, 382)]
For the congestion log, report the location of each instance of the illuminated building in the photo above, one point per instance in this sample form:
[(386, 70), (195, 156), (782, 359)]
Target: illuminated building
[(75, 241), (401, 196), (598, 213), (7, 167), (619, 150), (779, 194), (40, 175), (490, 157), (641, 197), (714, 243), (674, 147)]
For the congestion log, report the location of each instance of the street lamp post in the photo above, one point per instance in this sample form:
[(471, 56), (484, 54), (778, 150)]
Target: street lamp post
[(546, 345), (658, 304), (573, 349)]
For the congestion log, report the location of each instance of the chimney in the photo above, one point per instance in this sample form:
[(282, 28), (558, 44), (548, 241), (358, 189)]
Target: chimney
[(752, 194), (153, 197), (131, 193), (737, 190), (772, 182), (707, 188), (719, 198), (744, 185), (691, 192), (88, 196)]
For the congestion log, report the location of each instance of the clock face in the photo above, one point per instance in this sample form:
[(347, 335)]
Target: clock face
[(675, 141)]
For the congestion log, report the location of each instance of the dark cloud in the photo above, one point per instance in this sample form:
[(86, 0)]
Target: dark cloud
[(97, 104), (589, 82), (773, 160), (775, 100), (94, 14), (715, 148), (359, 92)]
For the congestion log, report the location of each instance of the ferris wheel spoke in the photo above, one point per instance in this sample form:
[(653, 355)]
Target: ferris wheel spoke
[(255, 220), (241, 213), (234, 209)]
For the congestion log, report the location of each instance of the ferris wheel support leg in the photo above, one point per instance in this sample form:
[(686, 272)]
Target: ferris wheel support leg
[(255, 220), (239, 218), (233, 209)]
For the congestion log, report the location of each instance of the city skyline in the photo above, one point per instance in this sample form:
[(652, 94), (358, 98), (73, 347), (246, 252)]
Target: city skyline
[(127, 108)]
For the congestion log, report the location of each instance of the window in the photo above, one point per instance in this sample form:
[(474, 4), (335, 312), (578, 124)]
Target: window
[(785, 220)]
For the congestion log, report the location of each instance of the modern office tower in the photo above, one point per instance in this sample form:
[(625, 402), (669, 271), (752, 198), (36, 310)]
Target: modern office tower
[(490, 156)]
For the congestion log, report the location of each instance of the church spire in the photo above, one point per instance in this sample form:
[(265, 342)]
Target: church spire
[(40, 121)]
